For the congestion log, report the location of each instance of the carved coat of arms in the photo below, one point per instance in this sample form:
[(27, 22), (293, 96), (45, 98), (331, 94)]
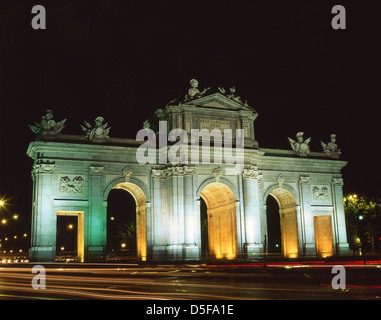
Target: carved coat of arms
[(320, 193), (71, 186)]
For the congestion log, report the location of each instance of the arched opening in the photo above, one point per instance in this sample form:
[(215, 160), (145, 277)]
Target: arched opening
[(221, 221), (204, 230), (126, 221), (288, 222), (323, 235), (70, 236), (121, 225), (274, 234)]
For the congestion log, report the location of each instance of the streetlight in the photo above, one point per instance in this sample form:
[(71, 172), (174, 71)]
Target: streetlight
[(3, 221)]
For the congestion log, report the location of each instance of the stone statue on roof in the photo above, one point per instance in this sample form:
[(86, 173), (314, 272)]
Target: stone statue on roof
[(301, 146), (331, 148), (194, 92), (232, 95), (48, 126), (99, 131)]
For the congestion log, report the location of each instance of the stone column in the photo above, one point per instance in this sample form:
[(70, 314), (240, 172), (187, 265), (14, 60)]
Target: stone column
[(96, 224), (309, 248), (192, 251), (158, 212), (253, 236), (149, 231), (44, 218), (342, 246), (175, 211)]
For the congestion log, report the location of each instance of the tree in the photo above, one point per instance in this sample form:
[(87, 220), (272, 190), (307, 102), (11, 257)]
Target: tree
[(363, 219), (127, 234)]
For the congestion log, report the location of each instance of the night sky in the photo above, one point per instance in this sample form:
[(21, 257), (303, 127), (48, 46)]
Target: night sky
[(125, 59)]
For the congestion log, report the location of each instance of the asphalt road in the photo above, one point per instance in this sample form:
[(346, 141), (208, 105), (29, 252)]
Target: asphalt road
[(189, 282)]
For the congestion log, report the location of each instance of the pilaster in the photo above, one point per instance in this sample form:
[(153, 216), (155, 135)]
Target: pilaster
[(253, 235), (309, 247), (44, 218), (96, 224), (342, 246)]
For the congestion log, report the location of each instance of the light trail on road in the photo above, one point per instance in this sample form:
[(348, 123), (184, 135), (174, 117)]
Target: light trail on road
[(172, 283)]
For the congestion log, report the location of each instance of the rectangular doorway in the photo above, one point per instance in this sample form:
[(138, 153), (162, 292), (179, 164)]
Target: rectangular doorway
[(80, 231), (323, 235)]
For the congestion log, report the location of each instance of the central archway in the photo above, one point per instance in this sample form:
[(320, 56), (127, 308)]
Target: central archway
[(221, 214), (288, 222), (141, 216)]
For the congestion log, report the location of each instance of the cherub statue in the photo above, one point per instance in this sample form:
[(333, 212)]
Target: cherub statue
[(300, 147), (193, 91), (331, 148), (99, 131), (47, 125)]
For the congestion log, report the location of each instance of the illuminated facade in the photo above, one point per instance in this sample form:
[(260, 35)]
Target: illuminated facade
[(74, 176)]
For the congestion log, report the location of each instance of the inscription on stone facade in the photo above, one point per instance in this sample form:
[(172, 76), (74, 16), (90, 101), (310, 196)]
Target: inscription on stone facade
[(71, 185), (211, 124), (320, 193)]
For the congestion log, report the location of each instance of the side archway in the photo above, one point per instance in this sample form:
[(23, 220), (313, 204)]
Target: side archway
[(222, 226), (141, 215), (288, 220)]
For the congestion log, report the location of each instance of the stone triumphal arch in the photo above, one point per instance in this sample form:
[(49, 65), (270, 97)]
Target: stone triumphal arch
[(73, 174)]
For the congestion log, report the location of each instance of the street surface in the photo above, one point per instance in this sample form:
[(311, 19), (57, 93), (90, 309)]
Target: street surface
[(190, 282)]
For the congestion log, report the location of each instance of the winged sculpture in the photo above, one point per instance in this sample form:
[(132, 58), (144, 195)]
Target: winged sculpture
[(331, 148), (300, 146), (47, 125), (99, 131)]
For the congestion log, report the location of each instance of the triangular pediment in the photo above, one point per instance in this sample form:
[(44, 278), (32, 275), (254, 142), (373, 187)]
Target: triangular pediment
[(219, 101), (215, 104)]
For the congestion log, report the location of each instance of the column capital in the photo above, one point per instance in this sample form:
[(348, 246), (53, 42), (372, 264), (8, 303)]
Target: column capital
[(337, 181), (96, 170), (304, 179), (251, 172), (159, 173), (189, 170), (44, 167)]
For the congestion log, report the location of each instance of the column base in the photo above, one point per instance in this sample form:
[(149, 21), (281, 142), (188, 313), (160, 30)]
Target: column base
[(309, 250), (95, 254), (159, 253), (42, 254), (253, 251), (192, 252), (342, 249), (174, 251)]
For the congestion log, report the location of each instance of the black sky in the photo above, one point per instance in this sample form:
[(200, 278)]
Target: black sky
[(125, 59)]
